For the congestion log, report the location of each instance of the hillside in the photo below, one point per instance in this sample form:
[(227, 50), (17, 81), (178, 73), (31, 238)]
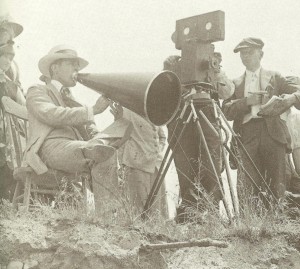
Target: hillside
[(65, 238)]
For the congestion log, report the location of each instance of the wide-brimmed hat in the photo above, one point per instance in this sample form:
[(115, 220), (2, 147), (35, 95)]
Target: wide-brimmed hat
[(249, 42), (7, 22), (57, 53)]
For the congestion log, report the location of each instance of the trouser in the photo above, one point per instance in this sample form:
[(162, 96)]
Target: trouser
[(7, 183), (67, 155), (267, 154), (137, 187), (191, 160)]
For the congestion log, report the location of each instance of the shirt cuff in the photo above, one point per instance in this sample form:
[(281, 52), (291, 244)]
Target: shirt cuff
[(90, 113)]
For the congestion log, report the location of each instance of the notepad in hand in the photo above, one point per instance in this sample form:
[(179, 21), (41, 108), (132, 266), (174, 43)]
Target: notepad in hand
[(274, 107)]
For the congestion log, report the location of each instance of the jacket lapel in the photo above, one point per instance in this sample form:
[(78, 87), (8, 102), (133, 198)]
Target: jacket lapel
[(240, 86), (265, 79), (55, 95)]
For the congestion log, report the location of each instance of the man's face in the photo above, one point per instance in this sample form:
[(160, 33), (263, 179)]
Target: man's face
[(5, 58), (64, 71), (5, 61), (5, 36), (251, 58)]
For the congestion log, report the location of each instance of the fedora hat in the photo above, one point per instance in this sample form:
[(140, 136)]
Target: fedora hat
[(57, 53), (7, 22)]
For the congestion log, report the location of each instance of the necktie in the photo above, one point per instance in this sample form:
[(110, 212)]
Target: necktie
[(68, 98), (70, 102)]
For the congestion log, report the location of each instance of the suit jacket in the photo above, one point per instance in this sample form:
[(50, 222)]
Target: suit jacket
[(235, 108), (11, 87), (49, 117), (143, 150)]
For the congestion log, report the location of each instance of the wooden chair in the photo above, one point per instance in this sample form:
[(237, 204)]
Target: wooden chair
[(28, 182)]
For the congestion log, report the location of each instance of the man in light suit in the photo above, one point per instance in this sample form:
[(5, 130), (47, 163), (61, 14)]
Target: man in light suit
[(60, 129), (266, 139)]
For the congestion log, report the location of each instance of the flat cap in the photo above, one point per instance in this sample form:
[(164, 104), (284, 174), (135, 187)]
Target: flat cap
[(249, 42)]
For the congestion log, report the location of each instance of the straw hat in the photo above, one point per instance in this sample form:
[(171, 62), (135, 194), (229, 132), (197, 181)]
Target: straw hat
[(7, 22), (57, 53)]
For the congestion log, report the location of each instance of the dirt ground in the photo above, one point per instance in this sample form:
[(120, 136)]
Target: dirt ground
[(70, 244)]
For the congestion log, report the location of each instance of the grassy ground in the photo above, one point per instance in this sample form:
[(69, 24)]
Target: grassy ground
[(114, 238)]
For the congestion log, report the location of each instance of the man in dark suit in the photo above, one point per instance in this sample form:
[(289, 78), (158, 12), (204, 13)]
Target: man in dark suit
[(266, 139)]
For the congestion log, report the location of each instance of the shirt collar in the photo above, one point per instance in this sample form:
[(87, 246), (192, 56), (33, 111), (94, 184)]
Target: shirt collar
[(57, 84), (256, 72)]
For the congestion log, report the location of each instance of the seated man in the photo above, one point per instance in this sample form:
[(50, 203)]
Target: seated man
[(60, 129)]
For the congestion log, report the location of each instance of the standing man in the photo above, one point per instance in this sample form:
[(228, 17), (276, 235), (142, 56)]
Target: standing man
[(195, 172), (266, 139), (9, 86), (140, 157), (60, 129)]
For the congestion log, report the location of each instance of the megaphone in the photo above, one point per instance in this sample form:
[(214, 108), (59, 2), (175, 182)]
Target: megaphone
[(156, 97)]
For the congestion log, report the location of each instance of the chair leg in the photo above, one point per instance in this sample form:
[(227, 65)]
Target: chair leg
[(16, 194), (27, 188)]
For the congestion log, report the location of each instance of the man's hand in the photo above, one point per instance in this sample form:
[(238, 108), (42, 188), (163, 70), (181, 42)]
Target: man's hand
[(101, 104), (116, 109), (289, 100), (254, 99)]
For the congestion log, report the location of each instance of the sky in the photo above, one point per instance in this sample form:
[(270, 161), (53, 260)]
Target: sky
[(135, 35)]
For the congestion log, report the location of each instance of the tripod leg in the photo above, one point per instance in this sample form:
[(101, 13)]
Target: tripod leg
[(229, 214), (202, 137), (234, 197), (163, 169), (241, 146)]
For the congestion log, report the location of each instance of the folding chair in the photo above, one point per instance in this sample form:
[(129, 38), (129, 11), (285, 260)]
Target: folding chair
[(28, 182)]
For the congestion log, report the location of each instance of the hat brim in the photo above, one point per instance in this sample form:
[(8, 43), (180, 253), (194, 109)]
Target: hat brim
[(237, 49), (46, 61), (17, 28)]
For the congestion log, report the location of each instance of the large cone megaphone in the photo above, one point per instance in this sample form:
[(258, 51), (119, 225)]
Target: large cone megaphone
[(155, 97)]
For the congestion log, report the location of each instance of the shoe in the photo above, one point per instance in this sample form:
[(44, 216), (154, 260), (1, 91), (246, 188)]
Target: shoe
[(98, 153)]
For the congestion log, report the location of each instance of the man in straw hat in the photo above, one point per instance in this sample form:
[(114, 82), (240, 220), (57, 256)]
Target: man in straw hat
[(9, 86), (60, 129), (266, 139)]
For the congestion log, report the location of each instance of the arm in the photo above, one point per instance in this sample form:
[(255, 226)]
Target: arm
[(42, 107), (233, 108), (287, 89), (225, 86)]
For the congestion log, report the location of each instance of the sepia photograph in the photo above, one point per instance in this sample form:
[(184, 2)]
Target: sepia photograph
[(149, 134)]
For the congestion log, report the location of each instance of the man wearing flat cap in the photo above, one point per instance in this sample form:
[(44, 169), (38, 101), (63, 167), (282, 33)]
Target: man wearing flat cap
[(60, 129), (266, 139), (9, 86)]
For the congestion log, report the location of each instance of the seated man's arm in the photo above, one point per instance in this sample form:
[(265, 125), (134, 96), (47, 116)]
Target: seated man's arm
[(40, 104)]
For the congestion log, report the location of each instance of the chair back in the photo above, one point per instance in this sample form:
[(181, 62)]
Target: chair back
[(16, 122)]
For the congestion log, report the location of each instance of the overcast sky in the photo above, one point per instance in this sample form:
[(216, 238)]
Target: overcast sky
[(135, 35)]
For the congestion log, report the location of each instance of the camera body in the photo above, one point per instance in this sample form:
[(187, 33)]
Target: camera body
[(194, 37)]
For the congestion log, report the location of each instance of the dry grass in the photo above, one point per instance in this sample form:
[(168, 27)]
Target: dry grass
[(256, 221)]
